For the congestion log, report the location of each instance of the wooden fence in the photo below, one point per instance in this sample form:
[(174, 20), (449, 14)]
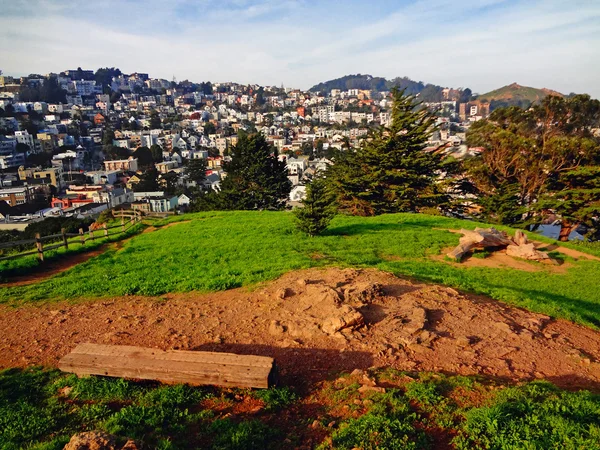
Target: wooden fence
[(65, 238)]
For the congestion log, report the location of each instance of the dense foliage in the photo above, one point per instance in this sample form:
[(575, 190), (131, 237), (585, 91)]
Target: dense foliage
[(538, 161)]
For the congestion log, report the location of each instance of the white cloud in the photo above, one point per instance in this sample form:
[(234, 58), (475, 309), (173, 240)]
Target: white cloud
[(483, 45)]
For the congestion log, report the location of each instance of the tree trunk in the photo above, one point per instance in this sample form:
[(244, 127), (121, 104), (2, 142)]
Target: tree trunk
[(565, 230)]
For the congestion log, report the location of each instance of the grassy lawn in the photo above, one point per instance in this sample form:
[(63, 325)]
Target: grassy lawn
[(221, 250), (41, 409)]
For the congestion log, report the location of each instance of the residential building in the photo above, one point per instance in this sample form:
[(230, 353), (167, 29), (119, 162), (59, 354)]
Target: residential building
[(55, 175), (18, 195), (163, 204), (130, 164)]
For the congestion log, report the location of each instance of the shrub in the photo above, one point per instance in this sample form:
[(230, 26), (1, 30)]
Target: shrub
[(317, 209)]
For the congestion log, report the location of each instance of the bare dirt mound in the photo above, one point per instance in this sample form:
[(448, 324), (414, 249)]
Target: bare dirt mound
[(317, 321)]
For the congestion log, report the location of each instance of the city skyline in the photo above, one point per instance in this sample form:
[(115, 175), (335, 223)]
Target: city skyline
[(482, 45)]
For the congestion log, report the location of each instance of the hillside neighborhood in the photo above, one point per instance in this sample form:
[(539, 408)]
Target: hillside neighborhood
[(78, 142)]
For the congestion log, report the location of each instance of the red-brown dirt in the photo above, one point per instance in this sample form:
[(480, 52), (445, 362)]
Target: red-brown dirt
[(319, 321)]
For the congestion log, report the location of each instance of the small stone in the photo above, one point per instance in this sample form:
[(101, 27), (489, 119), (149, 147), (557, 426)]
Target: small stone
[(331, 424), (586, 361), (364, 389), (366, 381), (315, 425), (463, 341), (357, 402), (275, 328), (130, 445), (357, 373)]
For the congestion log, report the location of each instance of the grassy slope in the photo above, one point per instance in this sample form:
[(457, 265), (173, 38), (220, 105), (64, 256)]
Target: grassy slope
[(222, 250), (515, 92)]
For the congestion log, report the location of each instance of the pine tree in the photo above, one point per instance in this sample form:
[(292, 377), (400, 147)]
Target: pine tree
[(317, 209), (255, 178), (392, 171)]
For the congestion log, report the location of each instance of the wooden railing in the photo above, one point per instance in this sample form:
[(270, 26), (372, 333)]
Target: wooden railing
[(65, 238)]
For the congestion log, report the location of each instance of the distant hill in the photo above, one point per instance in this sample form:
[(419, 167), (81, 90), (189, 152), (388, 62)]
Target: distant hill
[(515, 95), (427, 92)]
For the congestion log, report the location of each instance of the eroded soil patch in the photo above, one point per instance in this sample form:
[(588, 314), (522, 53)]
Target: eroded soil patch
[(318, 321)]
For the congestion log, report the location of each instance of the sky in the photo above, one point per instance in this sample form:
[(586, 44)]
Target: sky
[(480, 44)]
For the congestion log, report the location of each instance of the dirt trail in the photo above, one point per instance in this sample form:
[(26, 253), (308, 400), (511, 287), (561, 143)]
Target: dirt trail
[(55, 267), (322, 320), (69, 261)]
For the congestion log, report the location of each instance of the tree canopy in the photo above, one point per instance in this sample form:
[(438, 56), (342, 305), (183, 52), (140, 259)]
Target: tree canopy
[(393, 171), (255, 178), (538, 161)]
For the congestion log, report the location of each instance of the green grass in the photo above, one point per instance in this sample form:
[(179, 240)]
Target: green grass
[(42, 409), (222, 250), (31, 263)]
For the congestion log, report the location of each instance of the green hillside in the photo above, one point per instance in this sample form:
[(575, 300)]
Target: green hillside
[(515, 95), (222, 250), (427, 92)]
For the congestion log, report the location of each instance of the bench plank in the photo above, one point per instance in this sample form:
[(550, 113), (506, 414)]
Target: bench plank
[(171, 366)]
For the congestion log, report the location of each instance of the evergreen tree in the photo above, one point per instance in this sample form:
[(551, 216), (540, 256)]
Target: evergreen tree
[(148, 181), (256, 179), (195, 170), (392, 171), (144, 157), (157, 153), (317, 209)]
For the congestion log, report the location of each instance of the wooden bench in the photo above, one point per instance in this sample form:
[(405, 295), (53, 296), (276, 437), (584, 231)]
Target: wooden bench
[(171, 366)]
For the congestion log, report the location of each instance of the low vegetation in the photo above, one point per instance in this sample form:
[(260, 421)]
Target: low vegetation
[(41, 409), (222, 250)]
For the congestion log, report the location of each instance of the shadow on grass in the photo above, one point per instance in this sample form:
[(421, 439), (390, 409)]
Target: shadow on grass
[(300, 367), (586, 310), (364, 228)]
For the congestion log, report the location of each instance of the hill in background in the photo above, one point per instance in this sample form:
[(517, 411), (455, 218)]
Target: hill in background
[(427, 92), (515, 95)]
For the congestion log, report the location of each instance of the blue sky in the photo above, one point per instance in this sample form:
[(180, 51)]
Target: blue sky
[(481, 44)]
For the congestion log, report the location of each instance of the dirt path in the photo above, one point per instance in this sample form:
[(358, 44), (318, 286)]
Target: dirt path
[(69, 261), (55, 267), (318, 321)]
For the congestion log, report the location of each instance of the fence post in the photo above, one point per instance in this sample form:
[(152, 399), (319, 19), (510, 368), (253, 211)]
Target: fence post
[(105, 230), (64, 238), (122, 224), (91, 233), (82, 236), (40, 247)]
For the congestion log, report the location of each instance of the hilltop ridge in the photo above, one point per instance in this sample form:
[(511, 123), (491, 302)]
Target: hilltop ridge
[(516, 94)]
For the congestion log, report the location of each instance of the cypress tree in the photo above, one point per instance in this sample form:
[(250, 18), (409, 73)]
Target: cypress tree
[(317, 209), (256, 179), (393, 171)]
